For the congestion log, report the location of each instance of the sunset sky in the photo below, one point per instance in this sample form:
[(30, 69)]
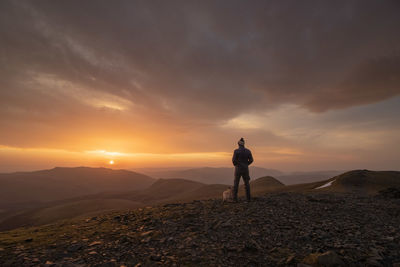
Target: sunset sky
[(310, 85)]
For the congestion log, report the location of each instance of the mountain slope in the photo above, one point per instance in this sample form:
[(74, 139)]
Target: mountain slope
[(161, 191), (210, 175), (362, 181), (67, 210), (266, 182), (262, 186), (61, 183), (306, 177), (181, 190)]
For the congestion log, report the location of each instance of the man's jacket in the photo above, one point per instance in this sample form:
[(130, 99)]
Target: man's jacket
[(242, 158)]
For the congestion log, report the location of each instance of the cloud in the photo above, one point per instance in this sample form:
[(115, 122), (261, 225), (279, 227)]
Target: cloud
[(374, 80), (207, 62)]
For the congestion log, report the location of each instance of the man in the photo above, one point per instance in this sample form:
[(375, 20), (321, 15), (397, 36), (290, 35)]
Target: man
[(242, 158)]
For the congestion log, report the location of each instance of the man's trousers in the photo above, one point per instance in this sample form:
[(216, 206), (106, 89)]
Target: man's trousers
[(241, 172)]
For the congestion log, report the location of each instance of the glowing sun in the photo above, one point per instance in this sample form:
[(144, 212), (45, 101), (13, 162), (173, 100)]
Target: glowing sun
[(111, 162)]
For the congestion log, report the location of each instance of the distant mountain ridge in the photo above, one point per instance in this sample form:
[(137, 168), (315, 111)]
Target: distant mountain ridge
[(211, 175), (224, 175)]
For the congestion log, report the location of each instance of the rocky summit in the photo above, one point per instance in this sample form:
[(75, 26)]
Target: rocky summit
[(287, 229)]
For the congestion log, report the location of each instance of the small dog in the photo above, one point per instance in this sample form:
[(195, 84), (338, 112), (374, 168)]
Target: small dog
[(227, 195)]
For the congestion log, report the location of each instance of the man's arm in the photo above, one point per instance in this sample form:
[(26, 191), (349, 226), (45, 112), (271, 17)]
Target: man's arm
[(234, 158), (250, 159)]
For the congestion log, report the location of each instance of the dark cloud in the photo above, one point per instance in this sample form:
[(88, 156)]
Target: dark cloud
[(203, 60), (369, 82)]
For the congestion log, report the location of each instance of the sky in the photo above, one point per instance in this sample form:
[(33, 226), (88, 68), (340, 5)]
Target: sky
[(309, 85)]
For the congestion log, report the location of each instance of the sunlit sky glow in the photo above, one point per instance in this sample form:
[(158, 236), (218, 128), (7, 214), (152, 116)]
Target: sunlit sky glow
[(309, 85)]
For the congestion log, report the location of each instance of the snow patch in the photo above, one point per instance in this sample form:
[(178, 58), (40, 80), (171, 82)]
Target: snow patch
[(325, 185)]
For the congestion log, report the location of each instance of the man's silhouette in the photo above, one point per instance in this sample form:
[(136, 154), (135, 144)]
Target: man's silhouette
[(242, 158)]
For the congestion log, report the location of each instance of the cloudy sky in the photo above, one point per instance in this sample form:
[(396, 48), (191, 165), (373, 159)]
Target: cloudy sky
[(310, 85)]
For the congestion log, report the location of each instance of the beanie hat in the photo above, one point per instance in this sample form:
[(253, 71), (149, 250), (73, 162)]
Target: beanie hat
[(241, 142)]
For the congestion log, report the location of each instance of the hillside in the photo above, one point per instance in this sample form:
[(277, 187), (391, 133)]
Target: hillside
[(224, 175), (362, 181), (23, 194), (278, 229), (266, 182), (60, 183), (172, 190), (68, 209), (180, 190), (208, 175), (306, 177), (161, 191)]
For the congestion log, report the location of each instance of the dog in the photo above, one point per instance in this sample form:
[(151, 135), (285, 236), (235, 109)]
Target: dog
[(227, 195)]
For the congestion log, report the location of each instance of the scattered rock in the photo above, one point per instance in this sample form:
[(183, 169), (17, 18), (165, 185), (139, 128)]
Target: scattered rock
[(329, 258), (278, 229), (391, 192), (94, 243), (146, 233), (74, 247), (290, 260), (155, 257)]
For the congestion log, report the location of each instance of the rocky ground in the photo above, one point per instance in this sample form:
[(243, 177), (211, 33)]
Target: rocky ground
[(278, 229)]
